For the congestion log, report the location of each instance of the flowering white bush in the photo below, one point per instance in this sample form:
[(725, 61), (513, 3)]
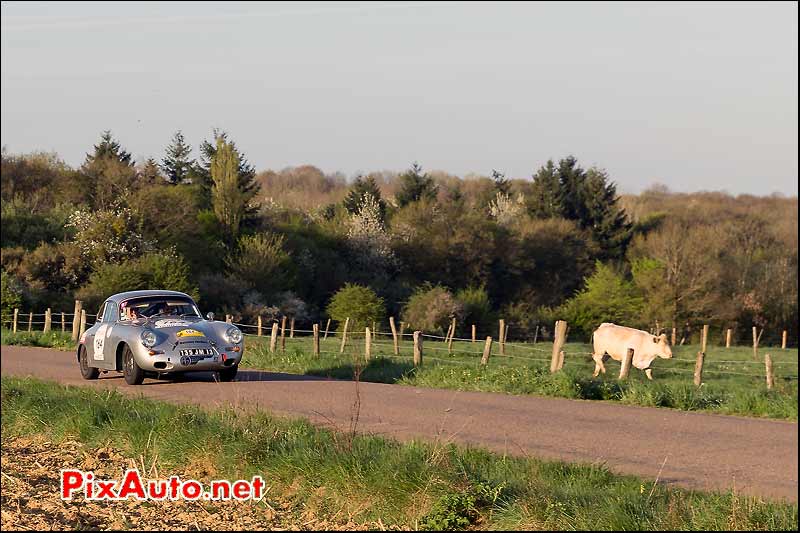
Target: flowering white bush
[(368, 238), (504, 209), (108, 236)]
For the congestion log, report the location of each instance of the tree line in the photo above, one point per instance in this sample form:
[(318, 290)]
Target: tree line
[(426, 246)]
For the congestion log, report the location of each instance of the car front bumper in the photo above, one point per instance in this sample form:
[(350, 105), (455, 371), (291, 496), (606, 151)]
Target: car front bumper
[(172, 360)]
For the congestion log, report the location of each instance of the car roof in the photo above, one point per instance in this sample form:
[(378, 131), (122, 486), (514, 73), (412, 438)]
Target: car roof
[(119, 297)]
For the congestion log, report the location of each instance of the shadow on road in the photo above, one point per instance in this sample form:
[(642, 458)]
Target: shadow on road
[(210, 377), (380, 370)]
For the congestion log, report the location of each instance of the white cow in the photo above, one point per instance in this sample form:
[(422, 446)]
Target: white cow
[(613, 340)]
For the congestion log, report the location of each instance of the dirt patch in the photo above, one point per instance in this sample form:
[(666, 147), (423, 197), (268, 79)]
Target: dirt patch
[(29, 496)]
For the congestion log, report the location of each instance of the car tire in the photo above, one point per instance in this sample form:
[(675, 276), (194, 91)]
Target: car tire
[(133, 374), (228, 374), (87, 372)]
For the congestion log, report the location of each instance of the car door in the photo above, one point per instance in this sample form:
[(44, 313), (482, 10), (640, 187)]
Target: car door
[(108, 344), (91, 335)]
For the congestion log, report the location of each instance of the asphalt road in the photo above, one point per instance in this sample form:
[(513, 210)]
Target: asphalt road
[(695, 450)]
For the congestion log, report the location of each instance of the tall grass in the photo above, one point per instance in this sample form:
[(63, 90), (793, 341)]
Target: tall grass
[(412, 485)]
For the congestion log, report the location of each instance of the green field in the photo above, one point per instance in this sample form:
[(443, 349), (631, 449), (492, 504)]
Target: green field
[(733, 381), (374, 481)]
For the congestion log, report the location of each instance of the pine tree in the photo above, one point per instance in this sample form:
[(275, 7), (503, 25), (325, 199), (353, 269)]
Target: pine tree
[(571, 179), (603, 216), (176, 165), (227, 197), (501, 183), (249, 187), (108, 173), (415, 186), (362, 187), (586, 197), (150, 172), (544, 201), (107, 149)]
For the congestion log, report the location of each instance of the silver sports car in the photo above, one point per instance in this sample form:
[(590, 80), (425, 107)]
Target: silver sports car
[(158, 332)]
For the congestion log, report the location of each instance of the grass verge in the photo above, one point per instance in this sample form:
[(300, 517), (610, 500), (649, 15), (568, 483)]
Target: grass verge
[(371, 479), (53, 339)]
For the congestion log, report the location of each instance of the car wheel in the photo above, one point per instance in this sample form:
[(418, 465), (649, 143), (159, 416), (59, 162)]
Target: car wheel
[(133, 374), (87, 372), (229, 374)]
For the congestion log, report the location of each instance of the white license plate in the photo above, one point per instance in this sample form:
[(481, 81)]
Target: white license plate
[(198, 351)]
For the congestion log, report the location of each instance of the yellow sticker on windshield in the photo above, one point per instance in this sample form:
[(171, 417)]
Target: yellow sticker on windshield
[(190, 333)]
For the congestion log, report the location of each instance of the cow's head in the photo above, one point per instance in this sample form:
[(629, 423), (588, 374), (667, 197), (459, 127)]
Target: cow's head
[(662, 348)]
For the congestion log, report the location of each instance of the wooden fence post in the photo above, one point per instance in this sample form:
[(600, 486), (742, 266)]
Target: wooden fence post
[(83, 323), (16, 318), (48, 320), (626, 364), (487, 351), (76, 319), (259, 325), (561, 359), (63, 322), (327, 327), (770, 375), (783, 340), (728, 338), (536, 334), (447, 335), (674, 335), (698, 369), (394, 336), (344, 335), (417, 348), (704, 339), (283, 333), (474, 332), (500, 338), (505, 333), (316, 340), (291, 329), (452, 334), (559, 336), (756, 339), (367, 344), (273, 338), (30, 321)]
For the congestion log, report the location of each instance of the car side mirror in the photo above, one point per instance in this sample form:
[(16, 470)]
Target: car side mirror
[(210, 316)]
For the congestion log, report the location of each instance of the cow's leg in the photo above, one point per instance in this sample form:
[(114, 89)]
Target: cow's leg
[(598, 364), (603, 359), (649, 373)]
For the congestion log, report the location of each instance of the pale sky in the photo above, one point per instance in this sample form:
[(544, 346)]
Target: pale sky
[(696, 96)]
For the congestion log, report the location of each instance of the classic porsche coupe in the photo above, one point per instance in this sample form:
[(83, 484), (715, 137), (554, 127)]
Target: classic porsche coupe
[(141, 333)]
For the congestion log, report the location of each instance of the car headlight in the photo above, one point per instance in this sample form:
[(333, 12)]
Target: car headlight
[(233, 334), (148, 338)]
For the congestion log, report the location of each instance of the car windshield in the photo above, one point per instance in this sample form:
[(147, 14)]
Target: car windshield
[(157, 306)]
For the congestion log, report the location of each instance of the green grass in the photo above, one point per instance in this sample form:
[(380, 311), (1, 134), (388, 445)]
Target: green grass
[(53, 339), (414, 485), (733, 382)]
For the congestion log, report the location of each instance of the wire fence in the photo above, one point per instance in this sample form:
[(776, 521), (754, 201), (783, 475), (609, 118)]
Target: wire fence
[(465, 352), (449, 350)]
